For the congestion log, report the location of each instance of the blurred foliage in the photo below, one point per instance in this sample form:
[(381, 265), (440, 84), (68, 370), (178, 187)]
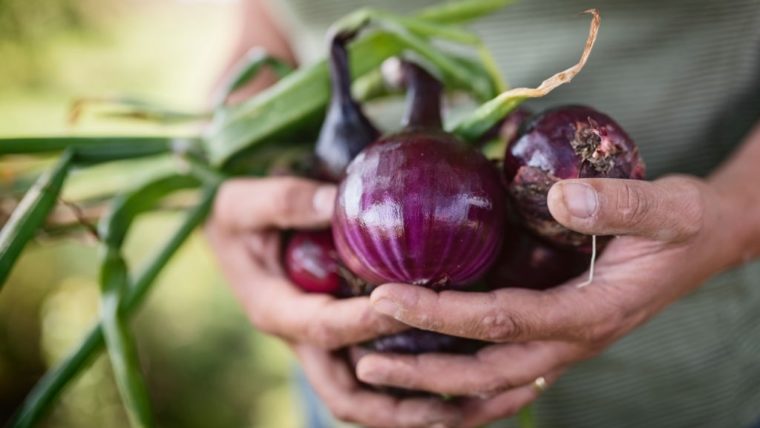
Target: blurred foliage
[(27, 27), (205, 365)]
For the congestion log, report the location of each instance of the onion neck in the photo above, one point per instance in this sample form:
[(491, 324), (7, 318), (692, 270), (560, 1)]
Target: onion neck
[(423, 98), (346, 130), (340, 74)]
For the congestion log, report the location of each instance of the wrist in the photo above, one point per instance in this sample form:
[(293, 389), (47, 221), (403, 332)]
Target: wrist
[(735, 223)]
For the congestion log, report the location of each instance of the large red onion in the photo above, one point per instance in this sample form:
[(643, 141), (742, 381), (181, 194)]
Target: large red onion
[(419, 207), (562, 143)]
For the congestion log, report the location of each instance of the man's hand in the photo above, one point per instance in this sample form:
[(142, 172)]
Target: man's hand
[(245, 234), (673, 235)]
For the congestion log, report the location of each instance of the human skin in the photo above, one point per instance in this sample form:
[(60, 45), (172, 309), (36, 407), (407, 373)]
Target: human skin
[(672, 235), (245, 234)]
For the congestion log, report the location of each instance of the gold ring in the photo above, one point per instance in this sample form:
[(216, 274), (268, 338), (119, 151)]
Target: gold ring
[(540, 385)]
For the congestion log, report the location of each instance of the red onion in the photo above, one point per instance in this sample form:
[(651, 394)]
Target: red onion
[(311, 262), (419, 206), (561, 143), (527, 262), (415, 341)]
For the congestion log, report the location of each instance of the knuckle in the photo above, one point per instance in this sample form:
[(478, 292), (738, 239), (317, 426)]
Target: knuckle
[(343, 412), (605, 330), (495, 384), (690, 193), (631, 204), (500, 327), (261, 322), (322, 336), (606, 326), (286, 202)]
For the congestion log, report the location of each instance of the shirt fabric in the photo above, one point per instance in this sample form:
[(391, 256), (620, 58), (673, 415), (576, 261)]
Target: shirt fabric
[(683, 78)]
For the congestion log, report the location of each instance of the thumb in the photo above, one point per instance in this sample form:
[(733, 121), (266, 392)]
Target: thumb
[(669, 209), (283, 202)]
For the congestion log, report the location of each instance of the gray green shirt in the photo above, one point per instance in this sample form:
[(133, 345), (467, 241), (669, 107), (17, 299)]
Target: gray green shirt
[(683, 78)]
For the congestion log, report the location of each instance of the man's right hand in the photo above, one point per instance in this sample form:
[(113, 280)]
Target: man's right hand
[(245, 233)]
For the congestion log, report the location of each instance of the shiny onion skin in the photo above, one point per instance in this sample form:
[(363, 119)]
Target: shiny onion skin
[(311, 262), (528, 262), (419, 207), (562, 143)]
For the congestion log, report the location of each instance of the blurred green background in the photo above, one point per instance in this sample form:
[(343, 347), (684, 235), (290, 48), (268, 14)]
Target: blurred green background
[(204, 363)]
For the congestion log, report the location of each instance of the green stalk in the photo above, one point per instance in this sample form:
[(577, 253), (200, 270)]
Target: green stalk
[(247, 69), (47, 390), (122, 349), (526, 417), (414, 34), (461, 11), (125, 208), (490, 113), (130, 108), (425, 28), (114, 283), (300, 96), (303, 94), (96, 149), (31, 213)]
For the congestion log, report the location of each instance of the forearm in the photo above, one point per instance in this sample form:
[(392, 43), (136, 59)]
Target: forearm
[(737, 184), (258, 29)]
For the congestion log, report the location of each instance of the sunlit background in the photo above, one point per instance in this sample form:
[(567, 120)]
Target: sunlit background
[(204, 363)]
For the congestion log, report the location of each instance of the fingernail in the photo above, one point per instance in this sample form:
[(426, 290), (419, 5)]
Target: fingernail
[(580, 199), (324, 198), (387, 307)]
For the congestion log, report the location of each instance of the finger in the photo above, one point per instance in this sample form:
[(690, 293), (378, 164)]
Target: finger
[(276, 306), (283, 202), (348, 401), (509, 314), (480, 412), (494, 369), (669, 209)]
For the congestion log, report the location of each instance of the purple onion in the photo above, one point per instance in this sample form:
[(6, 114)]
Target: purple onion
[(311, 262), (528, 262), (562, 143), (415, 341), (419, 207)]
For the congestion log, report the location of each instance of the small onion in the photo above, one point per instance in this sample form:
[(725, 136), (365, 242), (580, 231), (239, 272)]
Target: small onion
[(415, 341), (562, 143), (528, 262), (311, 262)]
